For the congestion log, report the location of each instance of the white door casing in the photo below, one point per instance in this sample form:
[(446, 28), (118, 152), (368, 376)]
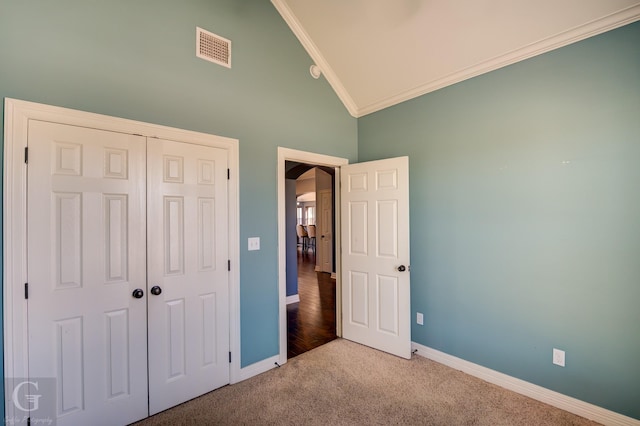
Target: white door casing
[(18, 115), (284, 155), (187, 254), (86, 244), (375, 254)]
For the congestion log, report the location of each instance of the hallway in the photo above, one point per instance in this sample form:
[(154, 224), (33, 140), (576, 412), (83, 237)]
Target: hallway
[(312, 321)]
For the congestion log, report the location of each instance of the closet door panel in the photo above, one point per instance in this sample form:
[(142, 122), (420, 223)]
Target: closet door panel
[(86, 255)]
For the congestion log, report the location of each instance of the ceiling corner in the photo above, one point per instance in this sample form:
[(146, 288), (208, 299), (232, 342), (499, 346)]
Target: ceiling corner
[(340, 29), (313, 51)]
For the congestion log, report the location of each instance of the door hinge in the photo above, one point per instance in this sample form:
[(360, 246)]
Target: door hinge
[(28, 421), (228, 174), (228, 265), (26, 290), (26, 155), (229, 357)]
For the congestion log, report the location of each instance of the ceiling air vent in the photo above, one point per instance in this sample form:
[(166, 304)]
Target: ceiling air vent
[(213, 48)]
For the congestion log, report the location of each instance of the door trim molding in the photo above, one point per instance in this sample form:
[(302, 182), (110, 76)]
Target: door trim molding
[(284, 155), (17, 114)]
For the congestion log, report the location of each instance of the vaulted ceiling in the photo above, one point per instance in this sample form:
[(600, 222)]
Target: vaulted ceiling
[(377, 53)]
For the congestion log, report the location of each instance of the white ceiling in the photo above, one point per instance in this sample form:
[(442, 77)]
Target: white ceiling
[(377, 53)]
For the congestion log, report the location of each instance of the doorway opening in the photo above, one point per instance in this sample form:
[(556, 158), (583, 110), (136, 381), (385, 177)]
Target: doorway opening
[(311, 284), (372, 250), (309, 298)]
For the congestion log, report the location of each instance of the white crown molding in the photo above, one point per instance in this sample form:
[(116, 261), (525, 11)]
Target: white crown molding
[(313, 51), (581, 32), (556, 399)]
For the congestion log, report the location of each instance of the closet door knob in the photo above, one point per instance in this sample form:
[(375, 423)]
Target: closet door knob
[(402, 268), (138, 293), (156, 290)]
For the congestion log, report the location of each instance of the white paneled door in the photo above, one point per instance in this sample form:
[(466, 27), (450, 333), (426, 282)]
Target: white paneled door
[(324, 236), (112, 220), (86, 256), (188, 274), (375, 254)]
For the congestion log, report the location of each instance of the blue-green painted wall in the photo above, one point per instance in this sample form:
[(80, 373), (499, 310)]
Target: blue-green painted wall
[(136, 59), (513, 251), (525, 216)]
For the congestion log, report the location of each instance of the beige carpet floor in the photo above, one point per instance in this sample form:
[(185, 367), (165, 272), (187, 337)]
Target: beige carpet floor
[(343, 383)]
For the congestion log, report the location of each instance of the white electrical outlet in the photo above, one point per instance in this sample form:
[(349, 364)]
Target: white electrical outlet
[(254, 243), (420, 318), (558, 357)]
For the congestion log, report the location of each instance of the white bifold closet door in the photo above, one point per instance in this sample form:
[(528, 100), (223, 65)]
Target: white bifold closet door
[(110, 216)]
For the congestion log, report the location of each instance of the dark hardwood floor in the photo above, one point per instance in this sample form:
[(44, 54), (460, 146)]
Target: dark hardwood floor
[(312, 321)]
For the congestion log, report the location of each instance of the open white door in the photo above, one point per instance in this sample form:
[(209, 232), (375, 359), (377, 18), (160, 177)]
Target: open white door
[(375, 255)]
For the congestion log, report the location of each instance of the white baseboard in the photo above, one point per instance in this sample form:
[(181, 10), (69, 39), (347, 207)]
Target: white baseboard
[(294, 298), (258, 368), (564, 402)]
